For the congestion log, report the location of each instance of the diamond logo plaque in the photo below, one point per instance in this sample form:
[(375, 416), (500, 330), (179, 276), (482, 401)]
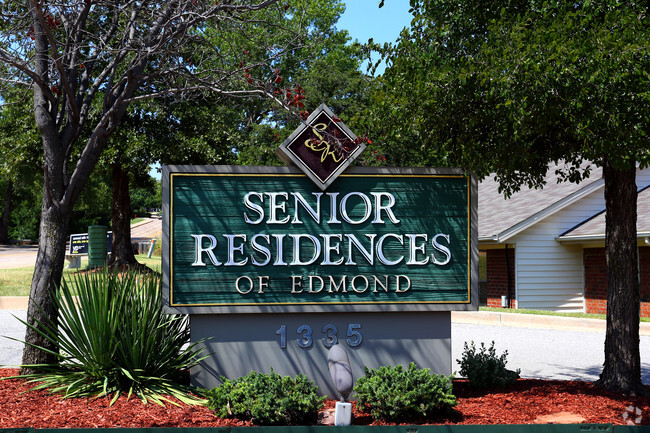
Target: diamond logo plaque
[(322, 147)]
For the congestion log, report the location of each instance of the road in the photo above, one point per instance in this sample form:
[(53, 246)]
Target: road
[(546, 353), (19, 256), (146, 230)]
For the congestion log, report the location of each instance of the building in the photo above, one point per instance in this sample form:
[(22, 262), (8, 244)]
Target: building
[(545, 249)]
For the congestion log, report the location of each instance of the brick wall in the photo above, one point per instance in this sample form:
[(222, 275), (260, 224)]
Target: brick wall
[(644, 267), (596, 280), (497, 276)]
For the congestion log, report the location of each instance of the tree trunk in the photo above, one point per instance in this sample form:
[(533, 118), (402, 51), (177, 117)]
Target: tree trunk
[(622, 368), (6, 213), (55, 223), (122, 251)]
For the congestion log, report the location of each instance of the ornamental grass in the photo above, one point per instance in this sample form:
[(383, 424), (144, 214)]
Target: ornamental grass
[(115, 339)]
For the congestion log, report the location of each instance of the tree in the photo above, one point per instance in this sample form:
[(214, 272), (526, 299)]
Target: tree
[(18, 154), (330, 74), (128, 161), (218, 130), (93, 207), (508, 87), (147, 196), (87, 61)]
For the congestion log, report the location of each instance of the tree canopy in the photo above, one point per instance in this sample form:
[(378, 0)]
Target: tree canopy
[(216, 129), (86, 61), (536, 81), (508, 87), (19, 154)]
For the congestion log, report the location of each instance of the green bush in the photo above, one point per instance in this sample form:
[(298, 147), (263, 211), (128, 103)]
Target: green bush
[(395, 394), (267, 399), (484, 369), (114, 339)]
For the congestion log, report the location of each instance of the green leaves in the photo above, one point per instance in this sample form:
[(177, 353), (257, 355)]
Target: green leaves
[(508, 87), (114, 339), (267, 399), (395, 394), (484, 369)]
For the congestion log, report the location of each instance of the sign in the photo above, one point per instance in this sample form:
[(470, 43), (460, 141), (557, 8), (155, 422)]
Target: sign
[(274, 271), (261, 239), (79, 244), (322, 147)]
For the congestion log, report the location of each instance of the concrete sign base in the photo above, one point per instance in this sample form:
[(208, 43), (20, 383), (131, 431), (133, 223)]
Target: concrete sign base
[(298, 343)]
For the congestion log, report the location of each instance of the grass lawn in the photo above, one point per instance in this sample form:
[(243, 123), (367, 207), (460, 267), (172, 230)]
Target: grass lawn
[(17, 282), (545, 313), (155, 262)]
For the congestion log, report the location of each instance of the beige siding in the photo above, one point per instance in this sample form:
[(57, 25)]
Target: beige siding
[(643, 178), (550, 275)]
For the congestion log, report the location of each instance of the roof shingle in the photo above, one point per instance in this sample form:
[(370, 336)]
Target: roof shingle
[(498, 215)]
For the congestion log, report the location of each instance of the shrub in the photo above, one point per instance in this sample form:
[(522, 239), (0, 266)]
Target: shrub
[(114, 339), (395, 394), (484, 369), (267, 399)]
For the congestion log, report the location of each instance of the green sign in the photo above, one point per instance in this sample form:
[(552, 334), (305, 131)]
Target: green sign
[(243, 238)]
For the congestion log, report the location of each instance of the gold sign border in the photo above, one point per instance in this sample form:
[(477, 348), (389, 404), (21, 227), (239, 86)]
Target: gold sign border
[(171, 240)]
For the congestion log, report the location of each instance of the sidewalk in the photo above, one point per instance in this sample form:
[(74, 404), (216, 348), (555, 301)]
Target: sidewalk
[(15, 303), (474, 317)]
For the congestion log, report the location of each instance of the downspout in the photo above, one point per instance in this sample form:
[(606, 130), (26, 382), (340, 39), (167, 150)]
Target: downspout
[(509, 277)]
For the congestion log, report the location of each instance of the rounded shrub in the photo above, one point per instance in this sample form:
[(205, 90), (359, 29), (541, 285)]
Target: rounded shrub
[(484, 369), (398, 394), (267, 399)]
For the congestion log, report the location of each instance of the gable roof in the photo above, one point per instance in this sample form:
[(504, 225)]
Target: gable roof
[(500, 219), (593, 229)]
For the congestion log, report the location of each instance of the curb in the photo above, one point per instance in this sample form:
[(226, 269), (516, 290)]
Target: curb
[(536, 321), (141, 223)]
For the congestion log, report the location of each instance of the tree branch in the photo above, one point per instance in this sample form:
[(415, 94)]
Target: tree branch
[(56, 57)]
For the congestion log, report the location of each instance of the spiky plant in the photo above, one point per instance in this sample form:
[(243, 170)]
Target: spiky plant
[(115, 339)]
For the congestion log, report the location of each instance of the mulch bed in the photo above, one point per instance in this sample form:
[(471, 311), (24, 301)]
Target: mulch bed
[(523, 403)]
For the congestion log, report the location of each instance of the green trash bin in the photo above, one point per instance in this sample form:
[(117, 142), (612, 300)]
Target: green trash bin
[(97, 248)]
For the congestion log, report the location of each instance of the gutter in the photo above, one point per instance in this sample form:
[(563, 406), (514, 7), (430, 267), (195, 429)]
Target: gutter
[(578, 239), (597, 237), (491, 239)]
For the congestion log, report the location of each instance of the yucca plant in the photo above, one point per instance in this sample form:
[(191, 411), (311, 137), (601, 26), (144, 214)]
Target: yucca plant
[(115, 339)]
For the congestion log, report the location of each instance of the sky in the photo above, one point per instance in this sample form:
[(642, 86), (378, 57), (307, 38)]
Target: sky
[(363, 19)]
